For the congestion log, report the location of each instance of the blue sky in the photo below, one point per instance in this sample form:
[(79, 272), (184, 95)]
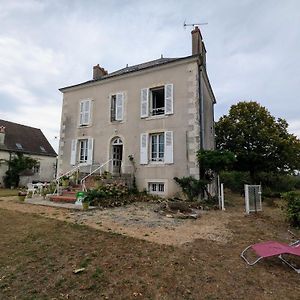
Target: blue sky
[(253, 50)]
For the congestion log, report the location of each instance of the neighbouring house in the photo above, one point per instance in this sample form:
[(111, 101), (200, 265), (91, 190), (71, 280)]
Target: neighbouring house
[(16, 138), (148, 119)]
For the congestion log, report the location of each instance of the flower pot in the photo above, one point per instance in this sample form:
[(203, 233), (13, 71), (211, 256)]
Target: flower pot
[(22, 197), (85, 205)]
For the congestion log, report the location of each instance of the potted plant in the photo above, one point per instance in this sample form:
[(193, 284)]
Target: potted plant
[(85, 203), (65, 181), (22, 195)]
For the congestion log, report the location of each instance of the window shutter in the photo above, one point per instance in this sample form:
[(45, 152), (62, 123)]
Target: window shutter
[(144, 149), (169, 99), (73, 152), (168, 147), (119, 106), (81, 113), (90, 151), (87, 112), (144, 103)]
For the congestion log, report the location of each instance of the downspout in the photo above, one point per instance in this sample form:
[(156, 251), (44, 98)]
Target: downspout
[(201, 114)]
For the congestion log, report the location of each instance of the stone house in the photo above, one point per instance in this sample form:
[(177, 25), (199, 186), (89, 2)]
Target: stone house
[(16, 138), (148, 119)]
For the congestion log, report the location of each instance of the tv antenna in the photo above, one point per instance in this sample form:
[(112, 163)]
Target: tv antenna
[(192, 24)]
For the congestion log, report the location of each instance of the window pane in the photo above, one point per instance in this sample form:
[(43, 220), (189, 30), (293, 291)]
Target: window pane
[(113, 108), (158, 101), (154, 147), (161, 148), (83, 150)]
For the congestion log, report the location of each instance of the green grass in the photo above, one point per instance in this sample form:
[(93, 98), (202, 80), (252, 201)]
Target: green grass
[(8, 192)]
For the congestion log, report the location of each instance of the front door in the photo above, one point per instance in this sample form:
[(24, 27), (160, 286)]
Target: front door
[(117, 151)]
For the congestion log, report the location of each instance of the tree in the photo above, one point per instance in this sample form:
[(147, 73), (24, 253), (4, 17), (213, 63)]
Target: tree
[(16, 165), (214, 161), (258, 140), (211, 162)]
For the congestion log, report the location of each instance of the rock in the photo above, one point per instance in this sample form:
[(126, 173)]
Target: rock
[(76, 271)]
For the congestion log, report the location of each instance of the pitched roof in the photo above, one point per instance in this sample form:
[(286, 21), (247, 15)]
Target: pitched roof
[(25, 139), (135, 68)]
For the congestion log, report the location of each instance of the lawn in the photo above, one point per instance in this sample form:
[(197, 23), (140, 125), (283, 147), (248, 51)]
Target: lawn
[(38, 256), (8, 192)]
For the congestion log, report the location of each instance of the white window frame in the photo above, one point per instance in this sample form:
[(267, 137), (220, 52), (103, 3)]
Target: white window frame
[(85, 150), (117, 107), (151, 102), (157, 136), (157, 187), (147, 101)]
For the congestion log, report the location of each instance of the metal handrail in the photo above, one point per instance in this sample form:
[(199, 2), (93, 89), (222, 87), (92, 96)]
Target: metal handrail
[(82, 181), (70, 172)]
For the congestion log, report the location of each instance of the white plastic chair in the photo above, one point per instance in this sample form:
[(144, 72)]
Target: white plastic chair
[(30, 189)]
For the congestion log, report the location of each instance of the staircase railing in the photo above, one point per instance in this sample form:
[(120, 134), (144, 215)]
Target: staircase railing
[(69, 173), (82, 181)]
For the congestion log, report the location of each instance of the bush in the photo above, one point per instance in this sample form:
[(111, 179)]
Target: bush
[(191, 186), (235, 180), (278, 183), (112, 190), (293, 208), (272, 184)]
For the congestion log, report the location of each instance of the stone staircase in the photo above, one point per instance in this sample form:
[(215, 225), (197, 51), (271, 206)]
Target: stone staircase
[(65, 197), (68, 194)]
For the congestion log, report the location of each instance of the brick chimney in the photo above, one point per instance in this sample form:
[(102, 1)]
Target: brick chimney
[(198, 47), (98, 72), (2, 134)]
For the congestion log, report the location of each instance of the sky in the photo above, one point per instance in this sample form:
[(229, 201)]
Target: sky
[(253, 50)]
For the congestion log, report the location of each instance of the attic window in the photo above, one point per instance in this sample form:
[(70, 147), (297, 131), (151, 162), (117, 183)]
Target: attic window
[(42, 149), (19, 146)]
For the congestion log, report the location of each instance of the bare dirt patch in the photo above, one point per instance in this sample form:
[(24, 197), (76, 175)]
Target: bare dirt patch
[(138, 220), (38, 256)]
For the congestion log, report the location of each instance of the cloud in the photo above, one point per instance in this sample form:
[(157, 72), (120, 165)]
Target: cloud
[(253, 50)]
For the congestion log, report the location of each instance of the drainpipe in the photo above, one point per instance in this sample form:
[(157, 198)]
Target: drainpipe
[(201, 113)]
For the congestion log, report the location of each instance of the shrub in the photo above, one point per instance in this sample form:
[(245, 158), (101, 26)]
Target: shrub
[(191, 186), (111, 190), (235, 180), (293, 208)]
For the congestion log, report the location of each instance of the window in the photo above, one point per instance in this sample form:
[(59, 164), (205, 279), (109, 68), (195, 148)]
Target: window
[(83, 151), (42, 149), (36, 169), (116, 107), (113, 108), (156, 187), (157, 101), (19, 146), (157, 147), (85, 112)]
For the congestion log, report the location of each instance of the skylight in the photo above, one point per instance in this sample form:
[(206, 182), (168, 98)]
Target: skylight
[(19, 146), (42, 149)]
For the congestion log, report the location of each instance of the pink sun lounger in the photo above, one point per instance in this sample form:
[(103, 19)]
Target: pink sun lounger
[(272, 248)]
